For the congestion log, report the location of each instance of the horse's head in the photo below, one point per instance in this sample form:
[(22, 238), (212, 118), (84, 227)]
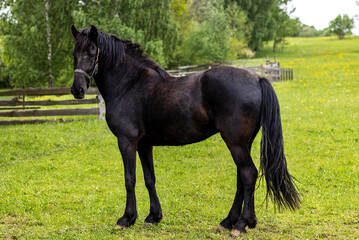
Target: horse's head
[(86, 53)]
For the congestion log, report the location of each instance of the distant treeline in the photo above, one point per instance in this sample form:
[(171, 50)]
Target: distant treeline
[(36, 42), (310, 31)]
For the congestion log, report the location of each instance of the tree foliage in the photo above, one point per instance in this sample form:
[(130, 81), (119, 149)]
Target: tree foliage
[(37, 44), (310, 31), (284, 26), (34, 47), (341, 25), (205, 35), (259, 13)]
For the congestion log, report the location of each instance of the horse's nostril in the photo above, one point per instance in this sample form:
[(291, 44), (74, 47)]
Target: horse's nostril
[(82, 91), (72, 91)]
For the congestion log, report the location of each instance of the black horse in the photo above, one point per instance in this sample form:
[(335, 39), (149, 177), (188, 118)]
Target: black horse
[(147, 107)]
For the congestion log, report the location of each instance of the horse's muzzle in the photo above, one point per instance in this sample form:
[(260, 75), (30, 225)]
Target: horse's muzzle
[(78, 93), (79, 86)]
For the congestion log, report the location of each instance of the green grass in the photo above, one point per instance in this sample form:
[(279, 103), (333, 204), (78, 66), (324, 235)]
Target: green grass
[(65, 180)]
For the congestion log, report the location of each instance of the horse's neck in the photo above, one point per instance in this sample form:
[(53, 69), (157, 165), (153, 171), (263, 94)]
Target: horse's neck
[(114, 82)]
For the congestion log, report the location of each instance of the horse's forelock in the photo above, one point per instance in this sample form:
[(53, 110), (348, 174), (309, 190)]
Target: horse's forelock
[(82, 40)]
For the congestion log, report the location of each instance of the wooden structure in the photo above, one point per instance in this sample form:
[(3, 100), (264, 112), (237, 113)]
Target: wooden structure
[(263, 67), (19, 106)]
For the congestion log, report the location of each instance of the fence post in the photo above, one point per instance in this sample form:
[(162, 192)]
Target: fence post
[(101, 107), (286, 74), (289, 74)]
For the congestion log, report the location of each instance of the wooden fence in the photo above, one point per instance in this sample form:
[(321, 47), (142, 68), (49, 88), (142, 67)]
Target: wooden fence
[(20, 106), (268, 69), (273, 73)]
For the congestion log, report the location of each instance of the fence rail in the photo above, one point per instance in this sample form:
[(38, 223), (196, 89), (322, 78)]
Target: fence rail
[(51, 112), (45, 91), (16, 102), (268, 69), (18, 105)]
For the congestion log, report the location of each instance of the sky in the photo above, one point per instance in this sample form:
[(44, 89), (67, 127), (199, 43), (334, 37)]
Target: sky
[(319, 13)]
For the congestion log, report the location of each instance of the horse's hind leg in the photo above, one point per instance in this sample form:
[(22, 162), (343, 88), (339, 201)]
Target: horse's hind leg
[(236, 209), (239, 142), (146, 156)]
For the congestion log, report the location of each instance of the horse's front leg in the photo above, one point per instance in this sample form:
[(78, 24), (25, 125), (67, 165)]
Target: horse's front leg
[(128, 152), (146, 156)]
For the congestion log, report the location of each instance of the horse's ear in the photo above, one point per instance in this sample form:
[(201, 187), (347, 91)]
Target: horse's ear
[(93, 33), (74, 31)]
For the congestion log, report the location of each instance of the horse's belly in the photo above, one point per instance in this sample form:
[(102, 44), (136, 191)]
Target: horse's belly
[(175, 135), (175, 141)]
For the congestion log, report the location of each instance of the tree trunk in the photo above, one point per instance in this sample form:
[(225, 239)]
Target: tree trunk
[(49, 51), (274, 45)]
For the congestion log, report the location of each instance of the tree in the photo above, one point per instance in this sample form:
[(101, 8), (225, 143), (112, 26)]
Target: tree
[(284, 26), (259, 14), (240, 30), (341, 26), (157, 23), (36, 41), (206, 35)]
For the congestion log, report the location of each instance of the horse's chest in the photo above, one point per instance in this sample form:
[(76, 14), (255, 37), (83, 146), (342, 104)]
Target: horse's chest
[(124, 121)]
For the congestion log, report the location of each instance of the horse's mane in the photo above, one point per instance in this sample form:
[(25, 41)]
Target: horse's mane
[(136, 52), (113, 50)]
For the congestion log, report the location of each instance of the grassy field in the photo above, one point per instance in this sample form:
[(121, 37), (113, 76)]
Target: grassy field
[(65, 180)]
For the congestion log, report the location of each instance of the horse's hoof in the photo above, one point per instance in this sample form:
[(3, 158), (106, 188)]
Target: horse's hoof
[(222, 229), (237, 233), (147, 224), (120, 227)]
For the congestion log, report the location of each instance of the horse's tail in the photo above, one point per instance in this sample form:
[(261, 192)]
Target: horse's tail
[(280, 185)]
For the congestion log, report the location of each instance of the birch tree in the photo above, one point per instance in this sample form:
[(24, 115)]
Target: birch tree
[(36, 41)]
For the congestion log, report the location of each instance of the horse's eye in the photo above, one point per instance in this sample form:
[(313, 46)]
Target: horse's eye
[(92, 50)]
